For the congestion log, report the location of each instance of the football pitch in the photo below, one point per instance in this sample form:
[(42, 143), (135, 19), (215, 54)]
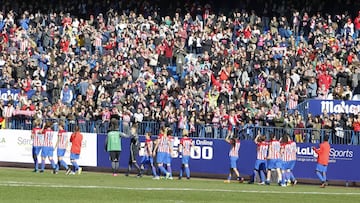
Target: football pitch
[(22, 185)]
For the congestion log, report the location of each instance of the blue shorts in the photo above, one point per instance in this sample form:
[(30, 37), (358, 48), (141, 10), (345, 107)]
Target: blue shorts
[(284, 165), (291, 165), (185, 159), (36, 151), (260, 164), (273, 163), (74, 156), (233, 160), (168, 158), (147, 160), (61, 152), (321, 168), (47, 152), (161, 157)]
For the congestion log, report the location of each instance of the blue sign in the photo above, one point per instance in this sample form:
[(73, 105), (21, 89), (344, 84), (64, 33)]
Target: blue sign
[(211, 157), (14, 93), (317, 107), (342, 164)]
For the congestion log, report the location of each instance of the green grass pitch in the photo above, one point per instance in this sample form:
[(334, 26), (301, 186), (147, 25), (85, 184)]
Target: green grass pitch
[(22, 185)]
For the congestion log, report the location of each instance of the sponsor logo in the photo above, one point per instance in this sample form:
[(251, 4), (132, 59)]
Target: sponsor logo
[(336, 154), (342, 107), (24, 141), (203, 149)]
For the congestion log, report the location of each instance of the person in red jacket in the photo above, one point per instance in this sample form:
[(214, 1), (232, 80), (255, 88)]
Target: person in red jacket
[(324, 78), (76, 141), (322, 160), (356, 128)]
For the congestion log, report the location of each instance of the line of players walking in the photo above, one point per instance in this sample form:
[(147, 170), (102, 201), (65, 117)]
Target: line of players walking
[(42, 139)]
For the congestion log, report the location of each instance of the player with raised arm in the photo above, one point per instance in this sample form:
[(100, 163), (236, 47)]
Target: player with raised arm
[(148, 154), (61, 145), (161, 147), (186, 144), (273, 159), (260, 163), (47, 150), (234, 156), (37, 142)]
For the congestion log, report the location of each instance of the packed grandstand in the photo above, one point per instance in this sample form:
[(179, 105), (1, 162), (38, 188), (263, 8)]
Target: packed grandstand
[(191, 67)]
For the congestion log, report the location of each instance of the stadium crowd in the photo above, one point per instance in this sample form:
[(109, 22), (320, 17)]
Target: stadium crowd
[(87, 62)]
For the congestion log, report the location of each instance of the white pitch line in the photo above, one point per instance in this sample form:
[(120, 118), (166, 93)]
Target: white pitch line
[(44, 185)]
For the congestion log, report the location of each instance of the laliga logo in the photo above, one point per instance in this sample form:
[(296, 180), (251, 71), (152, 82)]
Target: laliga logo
[(334, 153), (306, 151)]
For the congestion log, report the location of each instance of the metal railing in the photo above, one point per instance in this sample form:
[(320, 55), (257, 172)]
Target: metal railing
[(246, 132)]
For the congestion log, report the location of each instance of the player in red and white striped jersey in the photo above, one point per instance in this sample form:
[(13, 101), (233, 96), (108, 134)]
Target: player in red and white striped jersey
[(148, 154), (292, 161), (47, 150), (169, 152), (37, 142), (161, 147), (274, 159), (186, 144), (234, 156), (285, 157), (260, 163), (61, 145)]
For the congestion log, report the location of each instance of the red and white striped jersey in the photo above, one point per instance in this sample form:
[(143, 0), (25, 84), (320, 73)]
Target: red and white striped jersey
[(98, 40), (171, 143), (293, 150), (274, 149), (163, 145), (292, 102), (48, 138), (63, 139), (286, 151), (24, 44), (186, 143), (149, 147), (234, 151), (262, 150), (37, 137)]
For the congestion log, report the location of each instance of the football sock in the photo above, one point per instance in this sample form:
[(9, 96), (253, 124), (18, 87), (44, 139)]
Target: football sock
[(162, 169), (36, 163), (320, 175), (63, 164), (42, 164), (153, 170), (53, 165), (113, 166), (168, 168), (187, 172), (76, 166), (181, 171)]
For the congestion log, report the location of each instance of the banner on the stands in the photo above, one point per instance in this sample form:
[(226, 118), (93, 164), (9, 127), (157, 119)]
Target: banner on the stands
[(317, 107)]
